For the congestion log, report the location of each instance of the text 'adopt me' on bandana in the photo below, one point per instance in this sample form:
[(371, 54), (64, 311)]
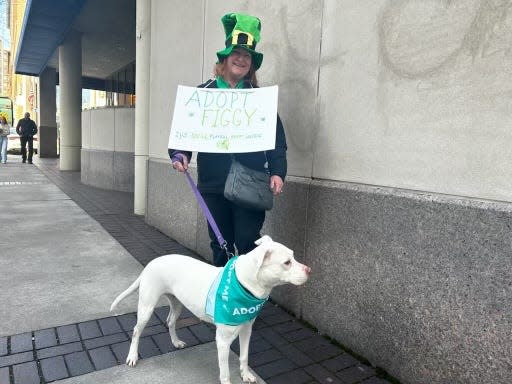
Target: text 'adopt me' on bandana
[(228, 302)]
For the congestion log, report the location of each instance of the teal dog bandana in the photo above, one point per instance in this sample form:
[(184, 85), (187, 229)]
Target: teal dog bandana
[(228, 302)]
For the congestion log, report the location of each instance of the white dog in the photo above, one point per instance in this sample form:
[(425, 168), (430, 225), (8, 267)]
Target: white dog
[(209, 293)]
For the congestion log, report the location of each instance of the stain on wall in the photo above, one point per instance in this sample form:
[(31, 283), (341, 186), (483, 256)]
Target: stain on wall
[(419, 37)]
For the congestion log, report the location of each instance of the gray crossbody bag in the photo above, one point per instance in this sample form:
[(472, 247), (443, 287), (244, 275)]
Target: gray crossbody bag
[(248, 188)]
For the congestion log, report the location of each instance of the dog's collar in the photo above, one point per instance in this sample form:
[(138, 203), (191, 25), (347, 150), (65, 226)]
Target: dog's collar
[(228, 302)]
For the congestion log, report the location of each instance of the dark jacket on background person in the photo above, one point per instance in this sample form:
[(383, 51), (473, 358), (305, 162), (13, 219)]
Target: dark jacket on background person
[(26, 127), (213, 168)]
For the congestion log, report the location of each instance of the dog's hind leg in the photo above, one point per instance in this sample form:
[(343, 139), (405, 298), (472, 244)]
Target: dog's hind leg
[(244, 338), (175, 308), (144, 312)]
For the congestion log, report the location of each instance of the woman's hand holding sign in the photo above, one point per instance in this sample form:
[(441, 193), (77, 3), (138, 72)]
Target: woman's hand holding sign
[(276, 184)]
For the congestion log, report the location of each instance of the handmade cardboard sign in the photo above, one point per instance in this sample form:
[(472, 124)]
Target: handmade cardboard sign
[(224, 120)]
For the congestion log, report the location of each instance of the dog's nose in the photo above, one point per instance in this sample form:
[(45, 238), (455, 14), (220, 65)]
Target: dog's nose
[(307, 269)]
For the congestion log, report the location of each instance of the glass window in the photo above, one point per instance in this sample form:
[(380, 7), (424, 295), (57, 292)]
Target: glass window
[(120, 87)]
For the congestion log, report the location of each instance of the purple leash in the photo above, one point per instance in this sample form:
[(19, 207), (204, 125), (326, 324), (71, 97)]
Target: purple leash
[(208, 214)]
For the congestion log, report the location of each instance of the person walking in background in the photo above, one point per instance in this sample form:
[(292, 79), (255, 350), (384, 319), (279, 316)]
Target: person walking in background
[(236, 68), (26, 128), (5, 130)]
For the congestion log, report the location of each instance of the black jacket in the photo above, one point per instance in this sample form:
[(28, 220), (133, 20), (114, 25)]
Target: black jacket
[(213, 168), (26, 127)]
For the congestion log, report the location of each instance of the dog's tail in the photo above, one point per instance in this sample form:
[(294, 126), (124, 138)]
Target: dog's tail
[(128, 291)]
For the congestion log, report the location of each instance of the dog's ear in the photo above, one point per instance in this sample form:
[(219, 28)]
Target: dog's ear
[(264, 239), (264, 251)]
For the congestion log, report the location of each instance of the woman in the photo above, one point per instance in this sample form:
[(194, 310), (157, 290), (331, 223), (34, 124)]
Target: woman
[(5, 130), (236, 68)]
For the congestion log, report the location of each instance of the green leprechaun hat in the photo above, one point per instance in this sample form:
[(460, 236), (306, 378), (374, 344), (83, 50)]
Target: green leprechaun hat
[(241, 31)]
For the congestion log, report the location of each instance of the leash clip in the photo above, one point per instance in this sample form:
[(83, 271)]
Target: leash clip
[(224, 247)]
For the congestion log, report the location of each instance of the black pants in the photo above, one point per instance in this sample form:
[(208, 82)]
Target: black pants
[(240, 227), (23, 141)]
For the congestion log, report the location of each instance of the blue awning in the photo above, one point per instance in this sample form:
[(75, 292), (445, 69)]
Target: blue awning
[(45, 25)]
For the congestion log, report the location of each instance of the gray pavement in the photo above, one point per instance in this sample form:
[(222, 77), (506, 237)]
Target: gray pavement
[(59, 266), (67, 250)]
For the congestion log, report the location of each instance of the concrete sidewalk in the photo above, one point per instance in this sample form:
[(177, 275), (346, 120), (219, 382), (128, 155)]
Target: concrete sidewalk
[(67, 250), (59, 266)]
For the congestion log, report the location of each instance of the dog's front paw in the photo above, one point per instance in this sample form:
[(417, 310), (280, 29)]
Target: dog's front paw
[(131, 360), (248, 377), (179, 344)]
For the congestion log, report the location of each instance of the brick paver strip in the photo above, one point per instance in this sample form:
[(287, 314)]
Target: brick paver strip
[(147, 348), (154, 330), (54, 368), (322, 375), (295, 355), (296, 377), (102, 358), (4, 376), (374, 380), (356, 374), (312, 343), (89, 330), (277, 318), (298, 334), (259, 345), (203, 332), (127, 321), (162, 312), (340, 362), (265, 357), (59, 350), (269, 309), (16, 358), (187, 322), (109, 326), (271, 336), (323, 352), (255, 336), (121, 351), (188, 337), (163, 342), (45, 338), (26, 373), (105, 340), (3, 346), (68, 334), (78, 363), (153, 320), (275, 368), (21, 342), (289, 326)]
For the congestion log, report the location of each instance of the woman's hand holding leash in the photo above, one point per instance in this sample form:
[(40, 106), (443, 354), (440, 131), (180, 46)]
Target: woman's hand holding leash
[(180, 162)]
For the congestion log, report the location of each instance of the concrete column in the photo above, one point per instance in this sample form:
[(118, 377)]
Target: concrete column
[(47, 114), (142, 71), (70, 101)]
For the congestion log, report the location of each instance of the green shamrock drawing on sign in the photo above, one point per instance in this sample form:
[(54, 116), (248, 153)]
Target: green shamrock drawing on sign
[(224, 144)]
